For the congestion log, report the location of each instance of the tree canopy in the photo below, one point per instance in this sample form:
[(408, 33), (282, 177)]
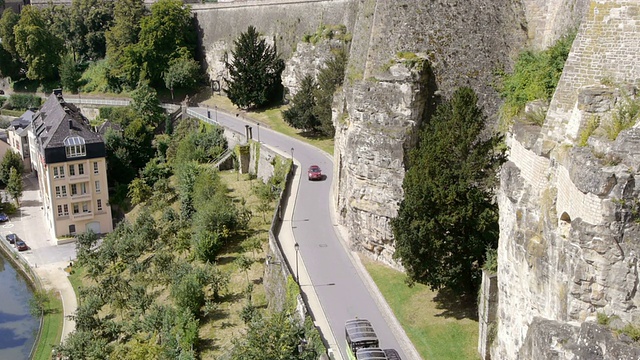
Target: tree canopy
[(39, 48), (11, 160), (301, 113), (448, 219), (254, 71)]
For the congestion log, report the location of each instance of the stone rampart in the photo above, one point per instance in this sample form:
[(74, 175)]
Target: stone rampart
[(282, 23), (569, 233), (604, 52)]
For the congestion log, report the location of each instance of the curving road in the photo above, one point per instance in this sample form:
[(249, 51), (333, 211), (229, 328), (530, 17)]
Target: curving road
[(337, 281)]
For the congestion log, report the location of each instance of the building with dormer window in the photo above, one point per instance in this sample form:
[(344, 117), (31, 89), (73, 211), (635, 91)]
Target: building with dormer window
[(69, 161)]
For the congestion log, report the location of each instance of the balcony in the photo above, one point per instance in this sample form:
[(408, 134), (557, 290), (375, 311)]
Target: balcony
[(83, 196), (83, 215), (76, 178)]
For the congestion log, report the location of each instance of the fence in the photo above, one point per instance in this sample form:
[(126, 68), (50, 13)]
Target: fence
[(204, 118)]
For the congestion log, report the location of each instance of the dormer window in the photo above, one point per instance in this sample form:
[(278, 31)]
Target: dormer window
[(74, 147)]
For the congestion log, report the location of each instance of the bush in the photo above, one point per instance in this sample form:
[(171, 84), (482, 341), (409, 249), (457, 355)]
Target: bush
[(24, 101), (535, 76)]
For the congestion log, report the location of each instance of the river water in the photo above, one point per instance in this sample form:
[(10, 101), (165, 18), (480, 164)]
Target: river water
[(17, 327)]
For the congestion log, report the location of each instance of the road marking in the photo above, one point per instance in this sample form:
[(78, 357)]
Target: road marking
[(7, 226)]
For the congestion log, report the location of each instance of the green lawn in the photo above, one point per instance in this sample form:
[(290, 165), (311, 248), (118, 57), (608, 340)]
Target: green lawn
[(439, 326), (51, 328)]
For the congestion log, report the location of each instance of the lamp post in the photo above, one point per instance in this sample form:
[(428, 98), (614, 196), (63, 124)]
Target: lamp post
[(297, 247), (291, 154), (216, 113)]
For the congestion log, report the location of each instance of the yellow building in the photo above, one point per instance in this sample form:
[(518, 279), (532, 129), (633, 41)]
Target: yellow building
[(69, 160)]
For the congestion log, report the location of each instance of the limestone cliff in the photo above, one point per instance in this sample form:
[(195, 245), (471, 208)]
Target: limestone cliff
[(569, 231), (404, 55)]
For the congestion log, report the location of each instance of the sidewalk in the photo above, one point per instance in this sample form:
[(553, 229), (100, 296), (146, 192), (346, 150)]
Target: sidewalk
[(46, 259)]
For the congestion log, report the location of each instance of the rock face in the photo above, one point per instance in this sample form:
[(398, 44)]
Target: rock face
[(308, 59), (569, 225), (404, 55)]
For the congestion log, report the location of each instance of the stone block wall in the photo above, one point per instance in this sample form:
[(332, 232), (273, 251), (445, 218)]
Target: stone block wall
[(604, 52), (569, 241)]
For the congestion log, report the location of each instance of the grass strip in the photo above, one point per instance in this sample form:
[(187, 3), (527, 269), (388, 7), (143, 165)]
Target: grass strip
[(439, 327), (51, 328)]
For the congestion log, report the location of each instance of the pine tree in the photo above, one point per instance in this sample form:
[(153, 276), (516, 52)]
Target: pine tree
[(254, 71), (329, 79), (300, 115), (448, 220)]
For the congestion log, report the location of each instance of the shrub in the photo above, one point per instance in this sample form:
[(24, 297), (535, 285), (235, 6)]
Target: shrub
[(592, 125), (624, 116), (24, 101), (535, 76)]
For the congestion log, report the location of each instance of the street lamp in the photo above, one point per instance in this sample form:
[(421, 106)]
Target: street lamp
[(291, 154), (258, 132), (208, 112), (216, 113), (297, 247)]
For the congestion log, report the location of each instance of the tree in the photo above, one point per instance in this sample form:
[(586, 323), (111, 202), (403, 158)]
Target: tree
[(39, 47), (88, 21), (7, 23), (167, 34), (301, 113), (11, 160), (447, 219), (121, 39), (269, 338), (329, 79), (14, 186), (69, 74), (255, 71), (139, 191), (182, 72), (10, 62)]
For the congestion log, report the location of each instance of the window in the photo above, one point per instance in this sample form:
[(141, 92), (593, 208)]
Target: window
[(58, 172), (76, 209), (99, 205), (85, 207), (80, 169), (83, 188), (74, 189), (64, 190), (95, 167), (65, 210), (74, 147), (59, 210), (97, 186), (72, 170), (72, 229), (58, 193)]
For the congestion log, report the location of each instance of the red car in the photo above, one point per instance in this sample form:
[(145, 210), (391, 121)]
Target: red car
[(21, 245), (314, 172)]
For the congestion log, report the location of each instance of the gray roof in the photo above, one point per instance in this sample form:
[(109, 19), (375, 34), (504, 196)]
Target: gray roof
[(360, 330), (58, 120), (371, 354)]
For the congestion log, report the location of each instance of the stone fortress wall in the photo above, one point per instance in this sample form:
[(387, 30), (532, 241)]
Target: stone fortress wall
[(568, 238)]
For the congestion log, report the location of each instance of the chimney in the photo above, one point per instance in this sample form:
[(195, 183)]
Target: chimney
[(70, 124)]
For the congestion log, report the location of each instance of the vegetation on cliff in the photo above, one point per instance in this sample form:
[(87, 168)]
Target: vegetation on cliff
[(254, 71), (311, 106), (534, 77), (448, 219)]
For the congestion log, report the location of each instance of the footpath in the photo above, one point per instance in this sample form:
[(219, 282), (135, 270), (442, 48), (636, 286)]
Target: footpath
[(47, 259)]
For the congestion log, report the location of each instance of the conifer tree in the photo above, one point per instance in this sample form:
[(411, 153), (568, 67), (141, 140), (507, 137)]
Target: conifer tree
[(448, 220), (301, 113), (254, 71)]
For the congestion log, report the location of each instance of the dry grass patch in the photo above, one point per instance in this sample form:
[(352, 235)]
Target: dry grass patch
[(439, 325), (220, 328)]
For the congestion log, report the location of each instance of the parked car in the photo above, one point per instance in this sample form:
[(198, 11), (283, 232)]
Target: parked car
[(314, 172), (21, 245), (12, 238), (3, 217)]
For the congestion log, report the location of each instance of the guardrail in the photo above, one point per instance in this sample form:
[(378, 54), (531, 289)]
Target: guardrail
[(94, 101), (204, 118)]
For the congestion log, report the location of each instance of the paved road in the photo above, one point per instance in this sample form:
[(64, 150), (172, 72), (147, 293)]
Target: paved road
[(324, 255)]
